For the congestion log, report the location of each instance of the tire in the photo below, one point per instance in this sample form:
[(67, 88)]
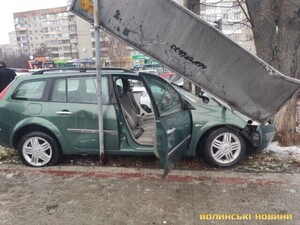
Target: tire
[(224, 147), (38, 149)]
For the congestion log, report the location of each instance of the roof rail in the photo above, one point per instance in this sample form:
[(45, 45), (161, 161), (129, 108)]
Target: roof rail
[(79, 69)]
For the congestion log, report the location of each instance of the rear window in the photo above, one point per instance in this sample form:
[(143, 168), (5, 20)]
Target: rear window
[(30, 90)]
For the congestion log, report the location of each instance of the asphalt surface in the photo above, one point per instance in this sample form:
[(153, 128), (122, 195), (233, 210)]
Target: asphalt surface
[(117, 195)]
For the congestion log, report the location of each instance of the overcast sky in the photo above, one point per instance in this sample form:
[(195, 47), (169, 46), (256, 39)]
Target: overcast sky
[(8, 7)]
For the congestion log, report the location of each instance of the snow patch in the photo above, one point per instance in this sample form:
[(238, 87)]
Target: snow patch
[(274, 147)]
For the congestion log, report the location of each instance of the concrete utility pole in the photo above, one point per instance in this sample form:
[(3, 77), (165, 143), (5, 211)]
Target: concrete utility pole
[(99, 80)]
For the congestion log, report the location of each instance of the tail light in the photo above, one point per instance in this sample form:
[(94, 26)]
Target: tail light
[(4, 92)]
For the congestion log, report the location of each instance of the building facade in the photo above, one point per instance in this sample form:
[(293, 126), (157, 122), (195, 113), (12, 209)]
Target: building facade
[(62, 36), (44, 30), (13, 42), (54, 33), (58, 34)]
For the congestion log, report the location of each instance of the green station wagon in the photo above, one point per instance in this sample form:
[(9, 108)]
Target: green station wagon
[(47, 116)]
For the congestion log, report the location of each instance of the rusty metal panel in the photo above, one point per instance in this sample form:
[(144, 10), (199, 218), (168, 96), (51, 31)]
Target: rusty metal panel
[(179, 39)]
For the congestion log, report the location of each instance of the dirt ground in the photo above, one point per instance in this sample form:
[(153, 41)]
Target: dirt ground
[(130, 190), (89, 195)]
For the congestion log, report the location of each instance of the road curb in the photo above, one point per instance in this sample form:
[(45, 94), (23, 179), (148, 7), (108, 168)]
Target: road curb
[(214, 177)]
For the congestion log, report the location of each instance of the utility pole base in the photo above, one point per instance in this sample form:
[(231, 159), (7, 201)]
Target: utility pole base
[(102, 158)]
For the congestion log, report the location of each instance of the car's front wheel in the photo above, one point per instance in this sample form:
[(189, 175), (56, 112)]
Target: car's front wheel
[(224, 147), (38, 149)]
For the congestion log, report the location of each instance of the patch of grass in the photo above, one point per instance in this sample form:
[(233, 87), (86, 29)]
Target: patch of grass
[(7, 153), (270, 152)]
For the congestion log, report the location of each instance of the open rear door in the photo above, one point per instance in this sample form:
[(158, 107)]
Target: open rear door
[(173, 121), (179, 39)]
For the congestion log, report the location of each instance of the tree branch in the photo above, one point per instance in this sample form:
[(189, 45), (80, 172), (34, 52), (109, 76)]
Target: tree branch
[(244, 11), (293, 3)]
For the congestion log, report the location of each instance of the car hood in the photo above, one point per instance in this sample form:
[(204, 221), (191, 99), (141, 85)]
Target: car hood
[(215, 105), (179, 39)]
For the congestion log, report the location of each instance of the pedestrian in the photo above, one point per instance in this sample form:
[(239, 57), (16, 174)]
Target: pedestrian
[(6, 76)]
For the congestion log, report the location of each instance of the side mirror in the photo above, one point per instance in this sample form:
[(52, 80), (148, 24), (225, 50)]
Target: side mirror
[(204, 99)]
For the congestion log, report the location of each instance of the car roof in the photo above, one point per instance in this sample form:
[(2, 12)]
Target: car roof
[(67, 72), (78, 69)]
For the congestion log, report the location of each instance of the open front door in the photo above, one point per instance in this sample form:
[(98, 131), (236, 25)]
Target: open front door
[(173, 121)]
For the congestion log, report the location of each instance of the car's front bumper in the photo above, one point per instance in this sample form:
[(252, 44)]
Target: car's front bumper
[(266, 134)]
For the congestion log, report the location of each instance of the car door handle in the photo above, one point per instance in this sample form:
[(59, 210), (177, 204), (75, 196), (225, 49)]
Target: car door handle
[(170, 131), (64, 112)]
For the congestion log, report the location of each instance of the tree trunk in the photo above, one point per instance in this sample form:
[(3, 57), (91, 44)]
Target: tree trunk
[(276, 30), (193, 5)]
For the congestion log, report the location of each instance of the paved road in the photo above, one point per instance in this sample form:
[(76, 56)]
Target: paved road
[(108, 195)]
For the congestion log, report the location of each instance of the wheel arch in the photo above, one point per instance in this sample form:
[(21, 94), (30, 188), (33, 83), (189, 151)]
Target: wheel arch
[(199, 149), (31, 128)]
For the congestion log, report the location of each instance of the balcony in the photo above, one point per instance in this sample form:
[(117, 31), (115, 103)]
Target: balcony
[(74, 41), (72, 31), (72, 22), (21, 28)]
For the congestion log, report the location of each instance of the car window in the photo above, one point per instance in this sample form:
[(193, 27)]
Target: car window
[(73, 84), (59, 91), (31, 90), (91, 86), (165, 96), (79, 90)]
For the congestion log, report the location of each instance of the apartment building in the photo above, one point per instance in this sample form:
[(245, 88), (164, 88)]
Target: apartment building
[(62, 36), (47, 28), (13, 42), (55, 33)]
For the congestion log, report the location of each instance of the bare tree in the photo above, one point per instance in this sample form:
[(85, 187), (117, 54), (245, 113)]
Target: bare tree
[(16, 61), (42, 51), (115, 51), (276, 32)]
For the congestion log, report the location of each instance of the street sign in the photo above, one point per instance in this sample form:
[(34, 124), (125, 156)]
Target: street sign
[(139, 57), (183, 42), (84, 9)]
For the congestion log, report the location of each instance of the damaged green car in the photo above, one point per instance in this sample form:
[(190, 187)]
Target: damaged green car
[(50, 115)]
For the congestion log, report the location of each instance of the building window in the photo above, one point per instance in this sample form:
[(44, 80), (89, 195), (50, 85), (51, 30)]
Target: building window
[(237, 15), (225, 16)]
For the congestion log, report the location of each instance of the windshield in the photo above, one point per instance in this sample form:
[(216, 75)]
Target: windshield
[(194, 98)]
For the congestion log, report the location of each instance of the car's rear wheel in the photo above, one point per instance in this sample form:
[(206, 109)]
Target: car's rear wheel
[(38, 149), (224, 147)]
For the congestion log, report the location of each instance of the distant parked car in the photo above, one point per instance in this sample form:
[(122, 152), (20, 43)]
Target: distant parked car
[(173, 78), (46, 116), (148, 71)]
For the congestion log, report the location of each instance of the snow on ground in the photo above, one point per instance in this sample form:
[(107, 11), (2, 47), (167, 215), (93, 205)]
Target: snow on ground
[(284, 153), (274, 147)]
